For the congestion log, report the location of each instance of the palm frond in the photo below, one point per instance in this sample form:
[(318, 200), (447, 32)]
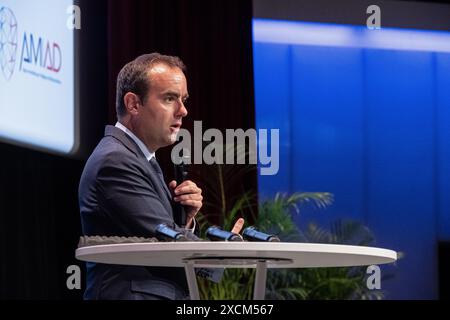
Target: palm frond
[(275, 216)]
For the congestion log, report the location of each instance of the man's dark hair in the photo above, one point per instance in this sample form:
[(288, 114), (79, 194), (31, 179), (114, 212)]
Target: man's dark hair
[(134, 77)]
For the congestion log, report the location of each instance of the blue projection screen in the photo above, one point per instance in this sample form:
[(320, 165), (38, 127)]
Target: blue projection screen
[(37, 78), (363, 114)]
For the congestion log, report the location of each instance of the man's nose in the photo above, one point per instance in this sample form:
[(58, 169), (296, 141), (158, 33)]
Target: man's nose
[(182, 111)]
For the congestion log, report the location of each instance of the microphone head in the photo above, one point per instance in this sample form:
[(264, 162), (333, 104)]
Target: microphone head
[(181, 169), (251, 234), (217, 234), (165, 233)]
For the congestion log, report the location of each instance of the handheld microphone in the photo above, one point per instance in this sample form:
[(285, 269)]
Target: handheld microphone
[(180, 176), (165, 233), (217, 234), (251, 234)]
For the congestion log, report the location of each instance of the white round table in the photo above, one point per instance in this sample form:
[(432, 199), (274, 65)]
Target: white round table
[(261, 255)]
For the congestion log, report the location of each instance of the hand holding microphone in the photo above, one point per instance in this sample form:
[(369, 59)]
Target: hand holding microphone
[(187, 196), (179, 210)]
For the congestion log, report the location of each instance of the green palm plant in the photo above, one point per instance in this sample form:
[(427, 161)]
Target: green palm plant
[(316, 283), (275, 216), (326, 283), (236, 284)]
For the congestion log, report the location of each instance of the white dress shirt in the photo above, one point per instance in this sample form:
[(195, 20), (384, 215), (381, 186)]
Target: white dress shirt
[(147, 153)]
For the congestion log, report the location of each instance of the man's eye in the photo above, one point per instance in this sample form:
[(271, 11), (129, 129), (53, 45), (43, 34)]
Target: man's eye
[(169, 99)]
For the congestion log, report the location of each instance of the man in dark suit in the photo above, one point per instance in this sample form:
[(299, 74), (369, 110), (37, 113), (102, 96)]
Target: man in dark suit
[(122, 190)]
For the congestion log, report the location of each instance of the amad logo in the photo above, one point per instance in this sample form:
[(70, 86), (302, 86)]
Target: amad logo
[(8, 42)]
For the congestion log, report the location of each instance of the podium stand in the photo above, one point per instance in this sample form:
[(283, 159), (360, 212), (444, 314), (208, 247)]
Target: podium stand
[(259, 255)]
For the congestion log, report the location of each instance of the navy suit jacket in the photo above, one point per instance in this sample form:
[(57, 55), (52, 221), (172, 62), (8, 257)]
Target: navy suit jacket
[(120, 194)]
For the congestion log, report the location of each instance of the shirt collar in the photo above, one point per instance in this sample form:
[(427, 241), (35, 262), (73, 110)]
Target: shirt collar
[(147, 153)]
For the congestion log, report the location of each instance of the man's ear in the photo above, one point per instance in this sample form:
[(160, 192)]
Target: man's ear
[(132, 103)]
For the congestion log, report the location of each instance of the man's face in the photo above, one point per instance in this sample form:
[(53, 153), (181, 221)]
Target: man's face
[(161, 113)]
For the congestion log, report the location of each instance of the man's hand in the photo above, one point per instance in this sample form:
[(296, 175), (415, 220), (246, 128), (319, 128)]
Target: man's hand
[(238, 226), (190, 196)]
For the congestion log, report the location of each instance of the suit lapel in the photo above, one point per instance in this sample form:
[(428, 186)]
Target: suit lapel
[(161, 188), (124, 139), (157, 169)]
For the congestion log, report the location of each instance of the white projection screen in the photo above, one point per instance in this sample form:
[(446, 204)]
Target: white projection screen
[(38, 108)]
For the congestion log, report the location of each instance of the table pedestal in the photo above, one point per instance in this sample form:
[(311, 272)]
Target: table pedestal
[(259, 291)]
